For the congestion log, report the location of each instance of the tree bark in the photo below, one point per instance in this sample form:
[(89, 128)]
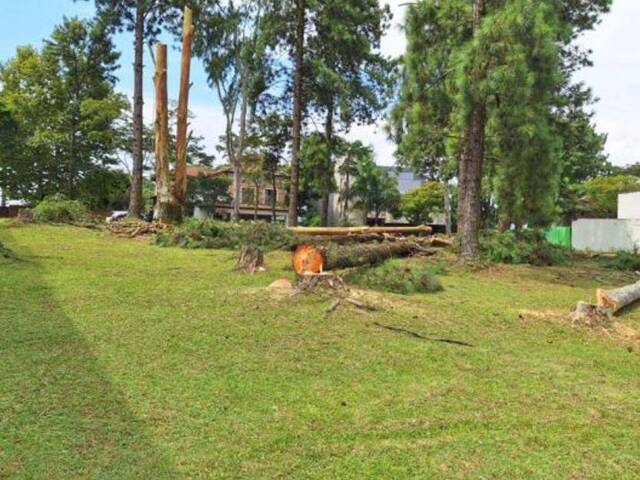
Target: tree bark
[(330, 231), (470, 169), (274, 200), (168, 210), (135, 200), (297, 113), (618, 298), (237, 167), (180, 185), (447, 208), (328, 136)]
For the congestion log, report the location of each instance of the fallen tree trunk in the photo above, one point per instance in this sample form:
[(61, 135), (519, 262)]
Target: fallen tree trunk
[(420, 230), (609, 303), (310, 259), (619, 298), (343, 239)]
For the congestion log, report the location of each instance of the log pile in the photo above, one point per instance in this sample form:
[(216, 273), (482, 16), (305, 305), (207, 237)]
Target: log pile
[(132, 229)]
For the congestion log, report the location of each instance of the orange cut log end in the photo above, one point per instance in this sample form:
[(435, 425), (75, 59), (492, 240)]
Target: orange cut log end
[(308, 260)]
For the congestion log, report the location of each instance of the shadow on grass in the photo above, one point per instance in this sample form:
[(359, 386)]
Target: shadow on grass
[(60, 415)]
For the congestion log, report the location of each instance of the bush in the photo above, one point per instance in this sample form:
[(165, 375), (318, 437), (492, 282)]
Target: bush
[(58, 209), (625, 261), (523, 246), (217, 234), (397, 276)]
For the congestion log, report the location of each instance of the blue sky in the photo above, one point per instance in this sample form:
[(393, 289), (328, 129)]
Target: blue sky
[(615, 78)]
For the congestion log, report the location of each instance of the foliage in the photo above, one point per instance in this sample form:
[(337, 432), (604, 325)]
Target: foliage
[(403, 277), (517, 67), (625, 261), (419, 205), (205, 191), (103, 189), (59, 209), (600, 195), (317, 171), (218, 234), (374, 190), (522, 246), (64, 111)]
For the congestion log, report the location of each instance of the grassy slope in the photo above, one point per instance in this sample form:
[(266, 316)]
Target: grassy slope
[(123, 360)]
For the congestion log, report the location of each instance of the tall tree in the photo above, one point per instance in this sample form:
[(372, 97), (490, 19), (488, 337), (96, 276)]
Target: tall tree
[(482, 83), (348, 78), (65, 108), (298, 61), (232, 41), (144, 18)]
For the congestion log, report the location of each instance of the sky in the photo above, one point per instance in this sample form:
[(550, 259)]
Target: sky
[(614, 78)]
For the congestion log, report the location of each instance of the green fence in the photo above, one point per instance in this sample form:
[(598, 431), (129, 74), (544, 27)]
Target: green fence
[(559, 236)]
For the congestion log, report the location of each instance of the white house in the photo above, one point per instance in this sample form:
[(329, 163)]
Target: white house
[(610, 234)]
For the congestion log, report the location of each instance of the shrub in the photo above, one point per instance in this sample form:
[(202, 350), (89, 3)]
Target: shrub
[(58, 209), (397, 276), (625, 261), (523, 246), (218, 234)]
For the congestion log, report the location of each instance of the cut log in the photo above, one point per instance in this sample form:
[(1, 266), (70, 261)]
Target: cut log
[(309, 259), (420, 230), (619, 298), (342, 239)]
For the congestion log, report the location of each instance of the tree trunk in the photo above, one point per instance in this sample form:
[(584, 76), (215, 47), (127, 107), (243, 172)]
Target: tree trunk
[(309, 259), (168, 210), (328, 136), (135, 200), (237, 168), (618, 298), (3, 198), (447, 209), (347, 192), (297, 113), (470, 170), (274, 200), (330, 231), (256, 202), (180, 185)]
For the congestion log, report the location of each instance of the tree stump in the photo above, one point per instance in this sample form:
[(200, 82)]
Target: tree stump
[(251, 259)]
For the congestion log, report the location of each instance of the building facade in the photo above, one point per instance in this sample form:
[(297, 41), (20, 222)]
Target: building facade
[(256, 196)]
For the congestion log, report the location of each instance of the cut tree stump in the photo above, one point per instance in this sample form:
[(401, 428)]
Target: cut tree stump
[(251, 259), (310, 259)]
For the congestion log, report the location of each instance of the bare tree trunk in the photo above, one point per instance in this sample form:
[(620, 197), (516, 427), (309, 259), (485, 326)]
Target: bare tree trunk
[(3, 198), (328, 135), (347, 193), (275, 197), (135, 200), (237, 167), (447, 208), (180, 185), (256, 202), (297, 114), (470, 170), (168, 210)]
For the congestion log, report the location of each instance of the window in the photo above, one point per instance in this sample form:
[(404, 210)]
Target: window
[(269, 196), (248, 196)]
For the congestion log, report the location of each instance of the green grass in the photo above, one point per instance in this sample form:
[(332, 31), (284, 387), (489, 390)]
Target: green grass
[(121, 360)]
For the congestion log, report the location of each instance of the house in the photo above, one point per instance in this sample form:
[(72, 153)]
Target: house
[(256, 197), (610, 234), (406, 179)]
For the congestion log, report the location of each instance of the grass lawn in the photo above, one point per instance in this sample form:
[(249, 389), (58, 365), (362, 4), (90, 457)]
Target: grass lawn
[(123, 360)]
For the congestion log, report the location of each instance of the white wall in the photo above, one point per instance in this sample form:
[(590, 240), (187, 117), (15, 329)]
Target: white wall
[(629, 205), (605, 235)]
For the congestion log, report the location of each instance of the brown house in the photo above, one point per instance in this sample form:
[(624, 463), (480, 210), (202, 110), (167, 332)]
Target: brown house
[(257, 195)]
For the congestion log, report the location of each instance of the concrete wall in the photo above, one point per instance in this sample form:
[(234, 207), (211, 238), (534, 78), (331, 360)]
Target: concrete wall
[(605, 235), (629, 205)]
